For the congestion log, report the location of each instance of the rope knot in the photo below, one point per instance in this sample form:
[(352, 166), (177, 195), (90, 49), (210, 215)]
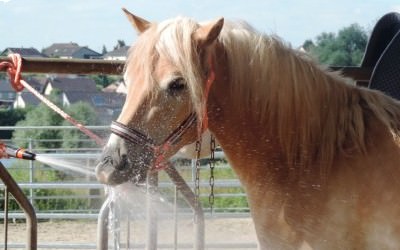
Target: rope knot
[(13, 68)]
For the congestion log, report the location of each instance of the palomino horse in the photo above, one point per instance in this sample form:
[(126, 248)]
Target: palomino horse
[(317, 156)]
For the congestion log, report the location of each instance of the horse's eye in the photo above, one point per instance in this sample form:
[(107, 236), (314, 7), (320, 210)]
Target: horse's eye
[(176, 85)]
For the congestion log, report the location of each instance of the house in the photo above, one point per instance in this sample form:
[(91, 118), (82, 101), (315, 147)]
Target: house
[(96, 99), (69, 51), (107, 105), (25, 99), (83, 89), (24, 52), (10, 98), (7, 94), (111, 88), (68, 84), (117, 54), (116, 87), (37, 82)]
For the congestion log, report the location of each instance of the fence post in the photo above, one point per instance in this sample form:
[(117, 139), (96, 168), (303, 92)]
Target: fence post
[(190, 198), (20, 197), (31, 173), (151, 216), (102, 225)]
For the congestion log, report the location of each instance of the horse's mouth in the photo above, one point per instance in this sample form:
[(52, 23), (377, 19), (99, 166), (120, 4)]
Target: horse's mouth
[(112, 175)]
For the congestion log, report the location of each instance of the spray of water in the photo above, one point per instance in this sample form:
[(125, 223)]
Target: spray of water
[(63, 165), (120, 199), (129, 202), (131, 199)]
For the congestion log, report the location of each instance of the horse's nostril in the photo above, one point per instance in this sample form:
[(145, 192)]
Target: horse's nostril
[(113, 169), (123, 162), (107, 160)]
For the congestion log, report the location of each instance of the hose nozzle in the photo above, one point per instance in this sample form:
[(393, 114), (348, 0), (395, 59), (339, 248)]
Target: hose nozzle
[(19, 153)]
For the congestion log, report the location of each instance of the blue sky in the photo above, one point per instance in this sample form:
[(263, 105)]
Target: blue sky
[(94, 23)]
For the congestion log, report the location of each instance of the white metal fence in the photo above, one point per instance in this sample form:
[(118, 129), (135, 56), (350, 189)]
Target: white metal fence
[(76, 196)]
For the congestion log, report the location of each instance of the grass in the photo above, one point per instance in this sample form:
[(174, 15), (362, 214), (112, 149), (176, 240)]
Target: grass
[(225, 198)]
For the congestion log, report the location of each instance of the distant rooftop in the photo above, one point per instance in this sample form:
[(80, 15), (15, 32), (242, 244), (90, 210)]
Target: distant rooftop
[(83, 84), (24, 52), (121, 52), (96, 99), (70, 50), (5, 86), (30, 99)]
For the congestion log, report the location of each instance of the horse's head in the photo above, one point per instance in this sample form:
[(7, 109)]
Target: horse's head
[(167, 74)]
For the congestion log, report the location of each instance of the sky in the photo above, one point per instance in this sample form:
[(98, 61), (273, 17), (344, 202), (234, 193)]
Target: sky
[(94, 23)]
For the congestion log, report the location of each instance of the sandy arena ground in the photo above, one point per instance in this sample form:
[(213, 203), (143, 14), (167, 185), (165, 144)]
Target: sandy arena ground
[(84, 232)]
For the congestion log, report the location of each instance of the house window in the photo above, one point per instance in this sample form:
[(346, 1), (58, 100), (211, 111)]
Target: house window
[(98, 100)]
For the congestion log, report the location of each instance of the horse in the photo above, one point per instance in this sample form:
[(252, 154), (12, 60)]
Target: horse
[(317, 155)]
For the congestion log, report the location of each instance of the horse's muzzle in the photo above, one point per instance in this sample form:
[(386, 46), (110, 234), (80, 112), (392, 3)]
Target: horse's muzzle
[(116, 167), (109, 174)]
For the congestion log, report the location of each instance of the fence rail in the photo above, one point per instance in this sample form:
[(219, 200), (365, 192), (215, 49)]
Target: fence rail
[(228, 212), (116, 67), (70, 66), (93, 191)]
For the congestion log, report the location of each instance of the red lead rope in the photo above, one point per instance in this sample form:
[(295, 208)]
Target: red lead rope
[(14, 72)]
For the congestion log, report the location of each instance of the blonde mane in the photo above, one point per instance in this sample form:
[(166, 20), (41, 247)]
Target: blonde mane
[(172, 39), (316, 113)]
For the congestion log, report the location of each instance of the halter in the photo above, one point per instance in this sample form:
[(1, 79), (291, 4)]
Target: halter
[(134, 136)]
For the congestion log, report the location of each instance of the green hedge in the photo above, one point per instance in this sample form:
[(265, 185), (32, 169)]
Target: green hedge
[(20, 172)]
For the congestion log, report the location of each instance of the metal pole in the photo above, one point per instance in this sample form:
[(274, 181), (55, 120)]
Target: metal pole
[(190, 198), (115, 221), (152, 218), (31, 173), (102, 226), (115, 67), (128, 233), (5, 217), (70, 66), (193, 165), (23, 202), (175, 218)]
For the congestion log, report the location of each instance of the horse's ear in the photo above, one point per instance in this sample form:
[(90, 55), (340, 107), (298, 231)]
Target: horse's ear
[(208, 33), (138, 23)]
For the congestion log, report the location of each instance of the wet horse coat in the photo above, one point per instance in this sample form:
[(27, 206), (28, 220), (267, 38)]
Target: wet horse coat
[(317, 156)]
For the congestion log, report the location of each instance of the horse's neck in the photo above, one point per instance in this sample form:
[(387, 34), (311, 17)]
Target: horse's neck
[(241, 134), (248, 133), (245, 142)]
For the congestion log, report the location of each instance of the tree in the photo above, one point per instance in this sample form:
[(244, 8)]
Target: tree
[(85, 114), (308, 45), (104, 50), (120, 44), (44, 116), (10, 117), (102, 81), (39, 116), (344, 49)]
